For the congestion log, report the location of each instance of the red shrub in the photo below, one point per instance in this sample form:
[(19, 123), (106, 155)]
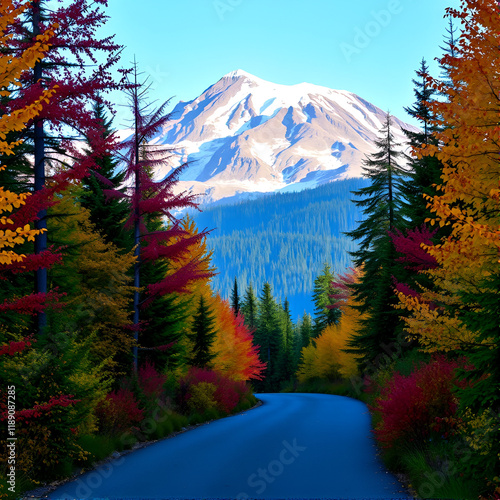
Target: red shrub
[(411, 406), (228, 393), (119, 411), (150, 381)]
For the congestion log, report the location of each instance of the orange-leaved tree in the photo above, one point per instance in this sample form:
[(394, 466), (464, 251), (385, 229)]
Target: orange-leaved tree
[(463, 311), (236, 356)]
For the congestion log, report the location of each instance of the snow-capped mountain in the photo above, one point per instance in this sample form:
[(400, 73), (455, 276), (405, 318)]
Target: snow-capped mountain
[(244, 134)]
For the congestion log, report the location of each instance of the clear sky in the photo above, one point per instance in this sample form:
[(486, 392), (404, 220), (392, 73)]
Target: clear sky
[(370, 47)]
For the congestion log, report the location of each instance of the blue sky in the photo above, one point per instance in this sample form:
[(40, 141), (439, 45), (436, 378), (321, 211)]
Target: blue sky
[(370, 47)]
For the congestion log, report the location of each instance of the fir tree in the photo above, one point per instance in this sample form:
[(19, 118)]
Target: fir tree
[(269, 337), (202, 335), (249, 307), (322, 298), (150, 202), (288, 365), (306, 330), (107, 214), (381, 203), (235, 298), (425, 171)]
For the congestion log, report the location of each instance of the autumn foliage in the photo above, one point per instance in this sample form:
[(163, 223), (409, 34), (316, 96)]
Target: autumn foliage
[(236, 356), (412, 407), (326, 357), (217, 390)]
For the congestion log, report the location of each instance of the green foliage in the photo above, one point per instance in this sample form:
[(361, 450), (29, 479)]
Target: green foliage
[(425, 172), (381, 204), (433, 471), (249, 307), (235, 298), (108, 215), (306, 330), (202, 397), (322, 298), (287, 360), (283, 238), (58, 368), (202, 335), (269, 337)]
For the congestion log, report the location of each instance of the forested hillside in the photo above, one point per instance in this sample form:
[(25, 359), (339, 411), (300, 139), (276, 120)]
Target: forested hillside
[(283, 238)]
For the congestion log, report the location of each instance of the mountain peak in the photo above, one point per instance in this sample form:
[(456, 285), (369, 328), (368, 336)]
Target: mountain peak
[(246, 134), (239, 73)]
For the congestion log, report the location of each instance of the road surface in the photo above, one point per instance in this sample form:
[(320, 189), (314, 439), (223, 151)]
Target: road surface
[(293, 446)]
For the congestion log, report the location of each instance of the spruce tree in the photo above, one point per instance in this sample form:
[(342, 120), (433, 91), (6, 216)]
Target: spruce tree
[(202, 335), (306, 330), (382, 207), (107, 214), (425, 172), (268, 337), (322, 298), (235, 298), (287, 357), (249, 307)]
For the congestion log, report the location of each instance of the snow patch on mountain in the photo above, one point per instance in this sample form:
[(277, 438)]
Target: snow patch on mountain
[(244, 134)]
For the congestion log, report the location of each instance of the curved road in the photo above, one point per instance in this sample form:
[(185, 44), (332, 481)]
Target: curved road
[(293, 446)]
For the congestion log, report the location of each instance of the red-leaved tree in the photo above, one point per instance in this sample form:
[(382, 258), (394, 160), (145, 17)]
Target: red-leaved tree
[(153, 202), (71, 66)]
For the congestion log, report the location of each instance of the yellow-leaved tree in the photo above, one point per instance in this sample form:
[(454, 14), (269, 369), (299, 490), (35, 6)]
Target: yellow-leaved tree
[(325, 356), (462, 311), (97, 278), (11, 69), (468, 201)]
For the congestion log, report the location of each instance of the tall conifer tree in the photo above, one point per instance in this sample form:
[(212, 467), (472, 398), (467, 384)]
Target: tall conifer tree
[(269, 337), (322, 298), (107, 215), (202, 335), (249, 307), (382, 206), (69, 65), (235, 298)]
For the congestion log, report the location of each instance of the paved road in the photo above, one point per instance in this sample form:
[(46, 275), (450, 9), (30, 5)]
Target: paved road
[(293, 446)]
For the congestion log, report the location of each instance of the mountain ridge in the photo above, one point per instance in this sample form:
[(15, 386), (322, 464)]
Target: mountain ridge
[(246, 135)]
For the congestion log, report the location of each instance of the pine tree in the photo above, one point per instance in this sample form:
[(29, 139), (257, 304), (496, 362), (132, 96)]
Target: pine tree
[(249, 307), (150, 201), (202, 335), (381, 203), (322, 298), (289, 347), (269, 337), (425, 172), (306, 330), (235, 298), (108, 215)]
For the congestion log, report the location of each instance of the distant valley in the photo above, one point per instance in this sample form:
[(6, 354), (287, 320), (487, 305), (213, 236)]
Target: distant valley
[(282, 238), (274, 166)]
